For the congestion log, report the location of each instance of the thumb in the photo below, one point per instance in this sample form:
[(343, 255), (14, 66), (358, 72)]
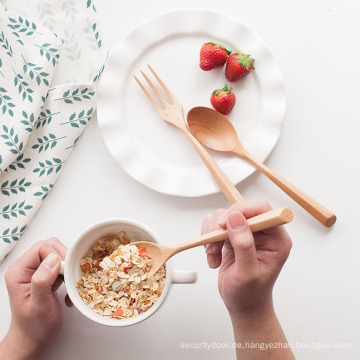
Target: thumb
[(242, 241), (44, 278)]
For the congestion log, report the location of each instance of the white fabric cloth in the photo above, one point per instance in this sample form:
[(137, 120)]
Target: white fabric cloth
[(51, 56)]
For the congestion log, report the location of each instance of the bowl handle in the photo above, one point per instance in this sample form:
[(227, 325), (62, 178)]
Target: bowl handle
[(62, 268), (183, 277)]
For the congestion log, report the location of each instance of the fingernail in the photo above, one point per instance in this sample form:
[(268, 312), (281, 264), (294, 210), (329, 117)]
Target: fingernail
[(51, 261), (236, 221)]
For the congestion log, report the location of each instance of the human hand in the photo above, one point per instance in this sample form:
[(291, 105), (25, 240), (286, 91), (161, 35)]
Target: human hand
[(32, 282), (249, 263)]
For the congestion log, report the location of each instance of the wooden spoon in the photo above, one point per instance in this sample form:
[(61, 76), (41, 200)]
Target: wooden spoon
[(215, 131), (160, 254)]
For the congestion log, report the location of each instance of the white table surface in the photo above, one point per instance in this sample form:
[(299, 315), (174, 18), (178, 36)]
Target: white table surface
[(317, 295)]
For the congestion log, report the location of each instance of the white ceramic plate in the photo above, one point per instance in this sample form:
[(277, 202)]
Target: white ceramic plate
[(157, 154)]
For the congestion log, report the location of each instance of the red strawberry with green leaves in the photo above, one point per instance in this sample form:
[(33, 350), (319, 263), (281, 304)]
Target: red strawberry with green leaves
[(238, 65), (212, 56), (223, 100)]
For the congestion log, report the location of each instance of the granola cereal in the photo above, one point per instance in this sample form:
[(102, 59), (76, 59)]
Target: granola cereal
[(113, 281)]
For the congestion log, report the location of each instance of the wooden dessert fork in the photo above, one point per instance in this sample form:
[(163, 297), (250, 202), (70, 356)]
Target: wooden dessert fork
[(173, 114)]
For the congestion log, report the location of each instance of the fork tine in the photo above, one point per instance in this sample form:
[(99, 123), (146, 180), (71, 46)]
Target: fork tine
[(168, 92), (153, 102), (155, 90)]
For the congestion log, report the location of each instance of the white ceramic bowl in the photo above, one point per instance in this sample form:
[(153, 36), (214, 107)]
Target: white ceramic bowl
[(83, 243)]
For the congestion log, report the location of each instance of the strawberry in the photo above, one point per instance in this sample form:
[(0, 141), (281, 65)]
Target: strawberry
[(223, 100), (213, 56), (238, 65)]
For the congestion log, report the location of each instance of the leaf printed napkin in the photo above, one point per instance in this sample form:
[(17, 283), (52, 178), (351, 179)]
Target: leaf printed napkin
[(51, 56)]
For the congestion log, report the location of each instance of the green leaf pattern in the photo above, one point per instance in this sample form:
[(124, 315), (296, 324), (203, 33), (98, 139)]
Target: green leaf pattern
[(75, 120), (14, 234), (44, 191), (19, 163), (5, 102), (35, 72), (12, 140), (41, 123), (45, 118), (28, 121), (22, 27), (50, 53), (14, 186), (48, 166), (76, 95), (23, 87), (14, 210), (5, 44), (47, 142)]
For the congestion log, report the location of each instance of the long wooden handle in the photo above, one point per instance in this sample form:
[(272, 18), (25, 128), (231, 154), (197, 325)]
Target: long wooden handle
[(318, 211), (261, 222), (226, 186)]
